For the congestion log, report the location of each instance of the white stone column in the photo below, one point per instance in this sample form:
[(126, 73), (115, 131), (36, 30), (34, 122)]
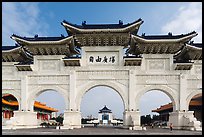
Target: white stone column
[(83, 57), (120, 59), (183, 106), (182, 118), (132, 119), (72, 91), (23, 104), (176, 117), (25, 119), (72, 119), (131, 90)]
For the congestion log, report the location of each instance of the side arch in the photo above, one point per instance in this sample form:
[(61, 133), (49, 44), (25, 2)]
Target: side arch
[(170, 92), (190, 96), (111, 85), (34, 94), (15, 94)]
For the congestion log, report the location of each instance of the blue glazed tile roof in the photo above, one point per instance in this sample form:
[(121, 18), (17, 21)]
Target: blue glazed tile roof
[(101, 26), (104, 110), (169, 36), (36, 38), (8, 47)]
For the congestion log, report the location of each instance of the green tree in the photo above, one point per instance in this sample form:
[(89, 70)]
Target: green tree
[(59, 119)]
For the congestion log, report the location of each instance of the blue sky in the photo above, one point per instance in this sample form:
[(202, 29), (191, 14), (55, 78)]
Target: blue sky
[(44, 18)]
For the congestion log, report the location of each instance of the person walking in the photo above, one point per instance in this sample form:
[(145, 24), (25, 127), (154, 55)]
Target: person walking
[(171, 126), (152, 125)]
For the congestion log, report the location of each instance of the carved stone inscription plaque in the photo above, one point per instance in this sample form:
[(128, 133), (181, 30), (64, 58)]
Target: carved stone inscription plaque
[(49, 65), (102, 58), (156, 65)]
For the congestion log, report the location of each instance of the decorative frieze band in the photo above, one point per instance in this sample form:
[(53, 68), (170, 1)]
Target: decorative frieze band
[(157, 79), (103, 39), (7, 70), (49, 65), (11, 84), (48, 79), (194, 83), (102, 74), (156, 64), (198, 69)]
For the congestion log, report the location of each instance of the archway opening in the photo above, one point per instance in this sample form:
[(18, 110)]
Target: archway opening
[(196, 106), (50, 106), (102, 106), (155, 106), (9, 105)]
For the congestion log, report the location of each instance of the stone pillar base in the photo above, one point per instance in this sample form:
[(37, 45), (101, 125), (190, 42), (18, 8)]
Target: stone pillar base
[(131, 119), (72, 119), (22, 119), (184, 120), (136, 128)]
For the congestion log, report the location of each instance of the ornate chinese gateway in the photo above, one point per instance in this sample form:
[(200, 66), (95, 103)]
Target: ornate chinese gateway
[(112, 55)]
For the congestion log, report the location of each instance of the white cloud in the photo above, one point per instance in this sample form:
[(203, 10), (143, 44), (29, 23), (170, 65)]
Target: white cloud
[(21, 18), (187, 19)]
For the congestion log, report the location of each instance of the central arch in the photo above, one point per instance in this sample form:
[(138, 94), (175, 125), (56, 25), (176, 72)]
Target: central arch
[(111, 85)]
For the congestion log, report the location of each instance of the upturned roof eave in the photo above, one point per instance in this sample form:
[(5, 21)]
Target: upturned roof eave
[(193, 47), (16, 49), (20, 39), (185, 38), (70, 27), (188, 48)]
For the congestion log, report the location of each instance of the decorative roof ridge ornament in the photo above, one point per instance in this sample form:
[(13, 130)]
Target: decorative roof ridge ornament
[(191, 42), (36, 36), (170, 33), (83, 23), (120, 22), (14, 35)]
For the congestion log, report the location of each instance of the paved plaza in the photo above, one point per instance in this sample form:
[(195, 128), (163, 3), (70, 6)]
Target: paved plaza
[(98, 131)]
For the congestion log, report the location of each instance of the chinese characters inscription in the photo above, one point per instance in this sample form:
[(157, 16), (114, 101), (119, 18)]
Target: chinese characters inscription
[(104, 59)]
